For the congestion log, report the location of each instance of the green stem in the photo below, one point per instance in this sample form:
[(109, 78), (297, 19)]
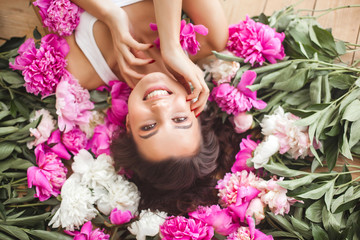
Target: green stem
[(114, 233), (326, 11), (28, 205), (348, 183)]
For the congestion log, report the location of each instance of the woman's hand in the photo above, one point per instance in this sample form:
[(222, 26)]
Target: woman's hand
[(187, 72), (124, 46)]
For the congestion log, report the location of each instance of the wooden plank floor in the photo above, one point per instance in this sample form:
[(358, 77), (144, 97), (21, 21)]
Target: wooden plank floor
[(17, 17)]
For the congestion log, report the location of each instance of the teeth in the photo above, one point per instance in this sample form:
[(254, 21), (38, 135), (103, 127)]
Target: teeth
[(156, 93)]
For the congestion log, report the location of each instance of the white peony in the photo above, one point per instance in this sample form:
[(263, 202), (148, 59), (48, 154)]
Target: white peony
[(120, 194), (77, 205), (43, 131), (148, 224), (97, 118), (94, 172), (268, 147)]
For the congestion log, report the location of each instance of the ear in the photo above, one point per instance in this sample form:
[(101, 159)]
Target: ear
[(127, 123)]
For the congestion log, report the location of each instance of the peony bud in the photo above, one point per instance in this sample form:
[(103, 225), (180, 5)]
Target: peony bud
[(119, 217), (242, 122)]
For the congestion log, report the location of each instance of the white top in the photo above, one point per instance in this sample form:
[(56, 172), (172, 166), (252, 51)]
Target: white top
[(84, 38)]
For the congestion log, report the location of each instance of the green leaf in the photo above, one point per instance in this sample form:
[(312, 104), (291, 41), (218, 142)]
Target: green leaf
[(346, 201), (284, 223), (317, 192), (99, 96), (6, 237), (27, 221), (272, 67), (12, 77), (6, 148), (313, 212), (300, 32), (277, 234), (22, 107), (295, 82), (4, 113), (14, 231), (326, 91), (297, 98), (315, 90), (11, 44), (329, 196), (36, 33), (344, 146), (7, 130), (300, 226), (325, 39), (354, 133), (352, 111), (308, 120), (331, 151), (348, 99), (319, 233), (227, 57), (298, 182), (341, 81), (282, 170), (340, 47), (46, 235), (29, 196)]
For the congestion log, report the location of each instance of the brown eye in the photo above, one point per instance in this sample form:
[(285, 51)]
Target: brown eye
[(179, 119), (148, 127)]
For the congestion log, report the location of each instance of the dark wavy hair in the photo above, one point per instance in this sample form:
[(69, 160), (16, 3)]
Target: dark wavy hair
[(179, 185)]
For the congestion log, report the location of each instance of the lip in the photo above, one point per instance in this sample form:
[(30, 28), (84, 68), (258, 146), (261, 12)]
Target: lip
[(153, 88)]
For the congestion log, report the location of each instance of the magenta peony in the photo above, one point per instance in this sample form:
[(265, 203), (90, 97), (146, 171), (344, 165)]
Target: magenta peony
[(61, 16), (255, 42), (42, 68), (182, 228), (236, 100), (219, 219), (120, 92), (187, 36), (101, 140), (247, 146), (73, 104), (74, 140), (50, 174), (119, 217), (86, 233)]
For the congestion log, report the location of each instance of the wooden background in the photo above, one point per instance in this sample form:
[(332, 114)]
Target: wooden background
[(18, 18)]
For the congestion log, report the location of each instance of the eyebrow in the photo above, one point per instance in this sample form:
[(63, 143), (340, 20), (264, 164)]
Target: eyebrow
[(156, 131)]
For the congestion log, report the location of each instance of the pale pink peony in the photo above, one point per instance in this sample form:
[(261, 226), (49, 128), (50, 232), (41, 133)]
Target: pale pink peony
[(275, 197), (237, 188), (119, 217), (256, 210), (43, 130), (236, 100), (73, 104), (221, 71), (255, 42), (50, 174), (247, 146), (86, 233), (187, 36), (242, 233), (61, 16), (120, 92), (293, 139), (249, 233), (74, 140), (242, 122), (219, 219), (182, 228), (42, 68), (102, 138)]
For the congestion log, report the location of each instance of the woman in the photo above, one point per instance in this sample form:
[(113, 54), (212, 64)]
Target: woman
[(171, 155)]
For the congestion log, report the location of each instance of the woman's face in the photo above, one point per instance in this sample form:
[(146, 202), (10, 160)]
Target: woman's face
[(160, 119)]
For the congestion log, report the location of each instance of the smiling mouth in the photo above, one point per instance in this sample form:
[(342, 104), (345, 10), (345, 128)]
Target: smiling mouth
[(156, 92)]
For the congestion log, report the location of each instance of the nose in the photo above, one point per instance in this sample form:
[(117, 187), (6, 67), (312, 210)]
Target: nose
[(159, 105)]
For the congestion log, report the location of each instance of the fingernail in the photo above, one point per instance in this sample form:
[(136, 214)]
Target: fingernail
[(197, 115), (152, 61), (151, 46), (188, 100)]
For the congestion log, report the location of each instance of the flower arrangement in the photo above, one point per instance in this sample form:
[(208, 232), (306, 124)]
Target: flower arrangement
[(299, 113)]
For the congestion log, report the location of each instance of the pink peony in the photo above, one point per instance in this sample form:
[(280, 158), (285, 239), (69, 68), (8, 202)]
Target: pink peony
[(292, 138), (182, 228), (73, 104), (237, 188), (249, 233), (119, 217), (247, 146), (61, 16), (256, 210), (42, 68), (50, 174), (255, 42), (120, 92), (102, 138), (86, 233), (43, 130), (74, 140), (275, 197), (236, 100), (219, 219), (187, 36), (242, 233), (242, 122)]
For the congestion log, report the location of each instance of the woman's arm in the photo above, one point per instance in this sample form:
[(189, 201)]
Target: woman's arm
[(168, 17), (117, 21)]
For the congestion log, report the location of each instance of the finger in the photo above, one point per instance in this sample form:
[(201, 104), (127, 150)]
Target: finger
[(126, 71), (131, 59), (131, 42)]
